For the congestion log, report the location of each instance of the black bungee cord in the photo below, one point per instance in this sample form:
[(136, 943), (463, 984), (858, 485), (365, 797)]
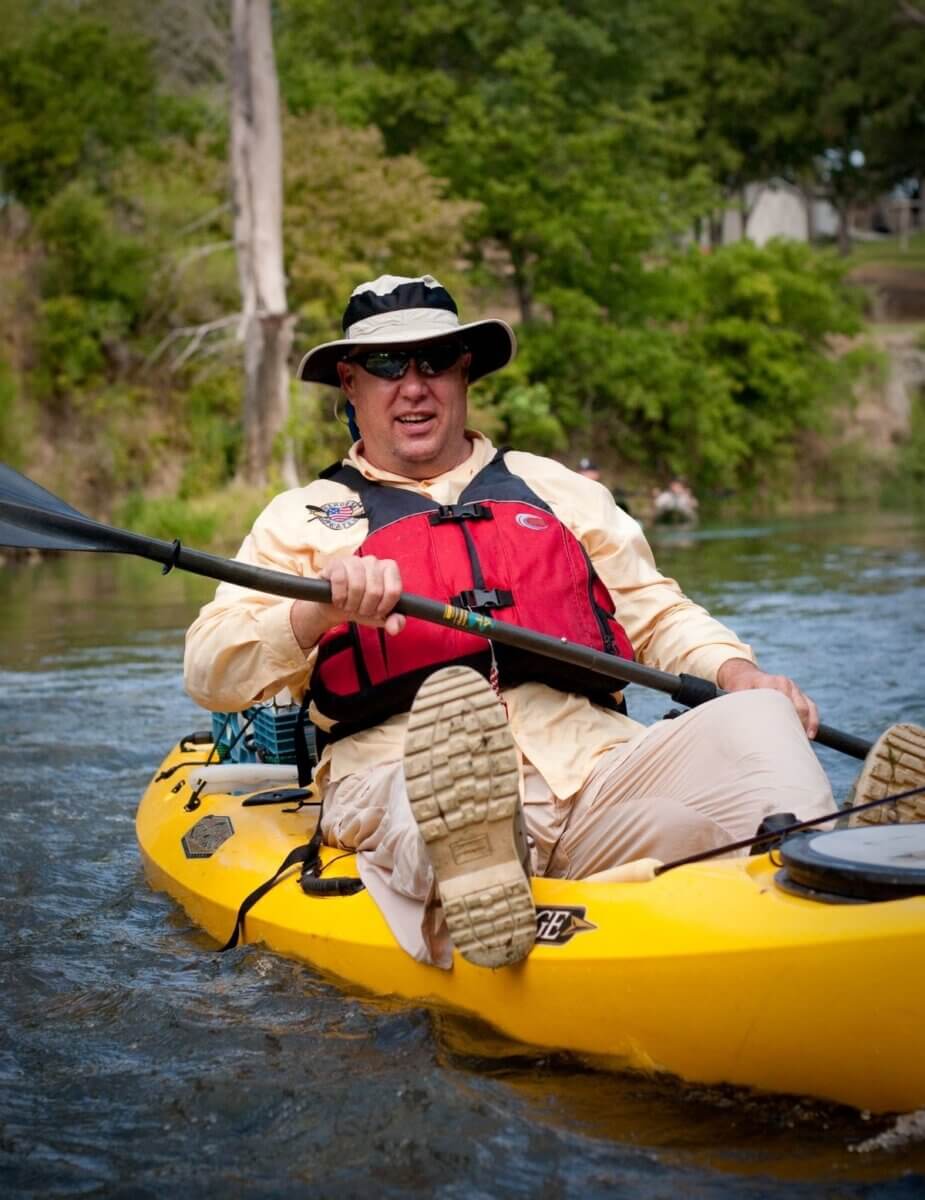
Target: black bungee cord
[(773, 838)]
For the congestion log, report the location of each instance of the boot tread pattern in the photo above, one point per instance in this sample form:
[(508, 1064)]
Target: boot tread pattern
[(462, 778), (896, 763)]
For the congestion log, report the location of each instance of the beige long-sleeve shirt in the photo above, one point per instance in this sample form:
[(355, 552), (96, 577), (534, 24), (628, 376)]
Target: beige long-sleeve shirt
[(242, 649)]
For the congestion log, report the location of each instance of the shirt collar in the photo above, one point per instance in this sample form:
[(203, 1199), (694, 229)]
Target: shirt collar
[(482, 453)]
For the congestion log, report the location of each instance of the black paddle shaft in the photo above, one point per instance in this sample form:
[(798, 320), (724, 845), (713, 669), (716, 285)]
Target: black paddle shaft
[(32, 517)]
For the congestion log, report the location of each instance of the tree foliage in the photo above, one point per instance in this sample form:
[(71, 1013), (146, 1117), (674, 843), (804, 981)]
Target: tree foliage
[(829, 95), (73, 97), (539, 112), (549, 161), (352, 212), (723, 381)]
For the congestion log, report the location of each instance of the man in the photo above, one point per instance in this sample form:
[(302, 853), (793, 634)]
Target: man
[(437, 803), (590, 470), (675, 504)]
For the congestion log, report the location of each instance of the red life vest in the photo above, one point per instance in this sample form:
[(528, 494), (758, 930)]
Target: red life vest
[(500, 549)]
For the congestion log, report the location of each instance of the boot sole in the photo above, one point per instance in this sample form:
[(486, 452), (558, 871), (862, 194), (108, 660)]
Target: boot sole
[(462, 778), (895, 764)]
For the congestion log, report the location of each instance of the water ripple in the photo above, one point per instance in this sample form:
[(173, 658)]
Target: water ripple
[(135, 1061)]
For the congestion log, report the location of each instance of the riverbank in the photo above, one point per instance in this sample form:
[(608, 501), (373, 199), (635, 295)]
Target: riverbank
[(167, 468)]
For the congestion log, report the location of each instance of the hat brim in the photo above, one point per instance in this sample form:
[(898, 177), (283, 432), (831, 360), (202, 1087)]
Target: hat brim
[(491, 343)]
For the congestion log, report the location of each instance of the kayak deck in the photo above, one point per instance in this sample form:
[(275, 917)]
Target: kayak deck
[(710, 972)]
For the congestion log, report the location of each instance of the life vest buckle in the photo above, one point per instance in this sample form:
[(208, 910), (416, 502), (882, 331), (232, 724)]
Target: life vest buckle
[(483, 600), (472, 511)]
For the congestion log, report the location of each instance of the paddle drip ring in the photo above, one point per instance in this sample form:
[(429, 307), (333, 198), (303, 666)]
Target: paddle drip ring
[(174, 558)]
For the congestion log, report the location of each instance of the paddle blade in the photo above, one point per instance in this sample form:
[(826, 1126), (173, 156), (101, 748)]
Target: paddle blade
[(35, 519)]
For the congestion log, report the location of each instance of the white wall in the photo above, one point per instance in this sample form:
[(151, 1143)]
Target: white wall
[(778, 210)]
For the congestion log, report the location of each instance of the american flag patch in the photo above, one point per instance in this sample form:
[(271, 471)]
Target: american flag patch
[(340, 514)]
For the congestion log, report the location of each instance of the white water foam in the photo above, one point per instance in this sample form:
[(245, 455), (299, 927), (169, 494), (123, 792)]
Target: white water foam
[(909, 1129)]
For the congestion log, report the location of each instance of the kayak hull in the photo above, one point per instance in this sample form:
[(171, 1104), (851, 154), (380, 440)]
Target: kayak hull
[(710, 972)]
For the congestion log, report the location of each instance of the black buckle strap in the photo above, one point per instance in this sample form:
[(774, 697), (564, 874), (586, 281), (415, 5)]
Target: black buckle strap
[(306, 855), (309, 855), (472, 511), (305, 764), (483, 600)]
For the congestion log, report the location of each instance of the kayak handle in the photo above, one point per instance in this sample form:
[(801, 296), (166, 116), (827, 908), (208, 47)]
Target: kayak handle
[(343, 885)]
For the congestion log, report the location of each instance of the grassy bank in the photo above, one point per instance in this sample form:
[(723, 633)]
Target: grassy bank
[(892, 250)]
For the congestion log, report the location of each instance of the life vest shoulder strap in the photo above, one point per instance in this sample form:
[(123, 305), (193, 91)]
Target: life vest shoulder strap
[(384, 503), (497, 482)]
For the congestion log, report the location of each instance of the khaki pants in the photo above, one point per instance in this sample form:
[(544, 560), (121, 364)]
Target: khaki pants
[(693, 783)]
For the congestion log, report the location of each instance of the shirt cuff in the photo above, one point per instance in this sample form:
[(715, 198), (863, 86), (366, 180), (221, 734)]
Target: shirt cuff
[(275, 629), (708, 659)]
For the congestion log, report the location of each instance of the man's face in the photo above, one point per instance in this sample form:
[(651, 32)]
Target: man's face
[(414, 425)]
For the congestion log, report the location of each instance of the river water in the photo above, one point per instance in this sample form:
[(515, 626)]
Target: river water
[(136, 1062)]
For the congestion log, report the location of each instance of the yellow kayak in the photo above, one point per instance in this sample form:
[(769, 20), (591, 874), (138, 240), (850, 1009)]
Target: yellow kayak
[(712, 972)]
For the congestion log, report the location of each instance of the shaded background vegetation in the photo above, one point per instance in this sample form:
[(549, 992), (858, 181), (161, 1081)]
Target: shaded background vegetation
[(551, 163)]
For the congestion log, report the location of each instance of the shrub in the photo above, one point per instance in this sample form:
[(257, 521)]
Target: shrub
[(210, 425), (15, 429), (732, 364), (68, 341)]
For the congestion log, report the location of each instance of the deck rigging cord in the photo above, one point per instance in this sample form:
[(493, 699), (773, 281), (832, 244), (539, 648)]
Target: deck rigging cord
[(773, 839), (213, 753), (308, 857)]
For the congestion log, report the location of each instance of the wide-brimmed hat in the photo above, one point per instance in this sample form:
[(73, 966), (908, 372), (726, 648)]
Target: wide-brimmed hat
[(396, 311)]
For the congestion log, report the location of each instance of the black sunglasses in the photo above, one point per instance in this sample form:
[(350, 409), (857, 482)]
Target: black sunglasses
[(392, 363)]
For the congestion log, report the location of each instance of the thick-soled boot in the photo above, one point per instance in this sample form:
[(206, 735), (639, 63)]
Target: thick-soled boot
[(462, 778), (895, 764)]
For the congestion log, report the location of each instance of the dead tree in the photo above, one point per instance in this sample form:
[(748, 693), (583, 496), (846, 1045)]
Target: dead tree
[(914, 14), (257, 189)]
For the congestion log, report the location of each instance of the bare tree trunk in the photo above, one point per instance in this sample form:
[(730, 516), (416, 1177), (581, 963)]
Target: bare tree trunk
[(746, 209), (257, 182), (809, 202), (844, 227), (913, 13)]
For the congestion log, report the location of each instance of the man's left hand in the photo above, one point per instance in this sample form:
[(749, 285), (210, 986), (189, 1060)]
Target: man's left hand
[(739, 675)]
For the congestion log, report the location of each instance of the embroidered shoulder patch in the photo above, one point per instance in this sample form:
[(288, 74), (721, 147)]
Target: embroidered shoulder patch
[(337, 514)]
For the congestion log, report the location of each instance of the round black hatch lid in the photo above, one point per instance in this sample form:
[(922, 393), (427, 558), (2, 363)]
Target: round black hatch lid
[(878, 862)]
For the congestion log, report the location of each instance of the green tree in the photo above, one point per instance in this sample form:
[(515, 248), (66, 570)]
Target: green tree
[(747, 79), (72, 98), (353, 212), (871, 104), (828, 95), (538, 112)]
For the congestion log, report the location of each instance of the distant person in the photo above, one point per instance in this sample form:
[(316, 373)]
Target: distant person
[(589, 468), (453, 767), (675, 504)]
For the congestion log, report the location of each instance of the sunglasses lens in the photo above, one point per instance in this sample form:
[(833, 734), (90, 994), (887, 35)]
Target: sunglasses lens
[(392, 364), (432, 360), (385, 364)]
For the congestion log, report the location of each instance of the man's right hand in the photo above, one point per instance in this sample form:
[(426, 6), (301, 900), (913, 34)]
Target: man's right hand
[(363, 589)]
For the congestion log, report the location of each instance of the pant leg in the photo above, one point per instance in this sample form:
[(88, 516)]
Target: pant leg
[(370, 813), (682, 786), (708, 777)]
